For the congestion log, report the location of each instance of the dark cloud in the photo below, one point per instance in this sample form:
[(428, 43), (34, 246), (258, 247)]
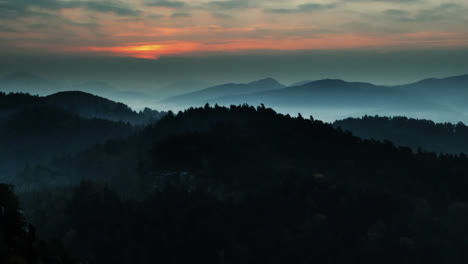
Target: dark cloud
[(444, 11), (232, 4), (4, 28), (106, 7), (395, 12), (19, 8), (387, 1), (306, 8), (181, 15), (447, 11), (170, 4), (221, 16)]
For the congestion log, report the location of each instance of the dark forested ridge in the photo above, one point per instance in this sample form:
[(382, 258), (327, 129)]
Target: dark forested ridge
[(248, 185), (82, 104), (414, 133), (19, 242), (35, 135), (34, 129)]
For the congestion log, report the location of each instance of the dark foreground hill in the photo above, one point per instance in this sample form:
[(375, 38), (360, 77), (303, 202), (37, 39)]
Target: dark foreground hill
[(415, 133), (79, 103), (38, 134), (19, 242), (248, 185), (91, 106), (36, 129)]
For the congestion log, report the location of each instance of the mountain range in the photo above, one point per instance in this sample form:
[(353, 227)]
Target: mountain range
[(442, 100), (31, 83), (431, 98), (228, 89)]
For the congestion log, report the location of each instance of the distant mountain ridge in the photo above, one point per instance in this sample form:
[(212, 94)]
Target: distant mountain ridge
[(229, 89), (25, 82), (443, 99), (450, 90), (183, 86), (459, 81), (322, 92), (439, 99), (23, 77), (108, 91)]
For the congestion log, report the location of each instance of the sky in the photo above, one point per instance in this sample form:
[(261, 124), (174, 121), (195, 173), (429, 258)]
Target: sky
[(334, 31)]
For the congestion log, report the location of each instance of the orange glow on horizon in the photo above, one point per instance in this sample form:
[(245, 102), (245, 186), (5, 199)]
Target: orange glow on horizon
[(144, 50), (149, 50)]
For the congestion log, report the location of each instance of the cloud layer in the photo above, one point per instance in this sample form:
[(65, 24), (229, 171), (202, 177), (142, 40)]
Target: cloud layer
[(155, 28)]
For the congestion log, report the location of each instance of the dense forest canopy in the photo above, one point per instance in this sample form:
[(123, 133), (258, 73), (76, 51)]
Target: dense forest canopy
[(414, 133), (248, 185), (35, 130)]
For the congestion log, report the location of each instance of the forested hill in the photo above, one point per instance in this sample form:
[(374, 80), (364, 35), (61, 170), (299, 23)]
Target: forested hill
[(248, 185), (34, 129), (37, 134), (245, 144), (92, 106), (79, 103), (414, 133)]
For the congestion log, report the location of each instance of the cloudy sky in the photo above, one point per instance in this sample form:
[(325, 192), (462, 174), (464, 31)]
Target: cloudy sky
[(155, 28), (159, 41)]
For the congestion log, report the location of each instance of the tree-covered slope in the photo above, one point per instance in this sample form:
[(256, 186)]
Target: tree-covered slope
[(248, 185), (414, 133)]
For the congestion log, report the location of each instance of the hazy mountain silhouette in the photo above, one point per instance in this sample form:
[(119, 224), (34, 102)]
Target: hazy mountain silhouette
[(326, 93), (300, 83), (25, 82), (229, 89), (95, 87), (439, 85), (451, 91), (336, 99), (181, 87), (24, 77), (108, 91)]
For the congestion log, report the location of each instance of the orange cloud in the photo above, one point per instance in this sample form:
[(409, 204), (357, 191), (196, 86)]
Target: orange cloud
[(154, 50), (145, 50)]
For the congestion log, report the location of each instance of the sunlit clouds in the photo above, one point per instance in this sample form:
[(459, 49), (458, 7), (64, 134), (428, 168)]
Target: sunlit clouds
[(152, 28), (142, 50)]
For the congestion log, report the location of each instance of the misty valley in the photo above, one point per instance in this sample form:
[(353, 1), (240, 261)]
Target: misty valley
[(232, 175)]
